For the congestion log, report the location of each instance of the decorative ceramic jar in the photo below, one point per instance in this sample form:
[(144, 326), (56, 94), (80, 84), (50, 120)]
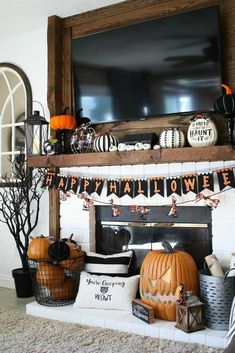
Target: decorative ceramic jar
[(104, 142), (202, 131), (171, 138), (82, 139)]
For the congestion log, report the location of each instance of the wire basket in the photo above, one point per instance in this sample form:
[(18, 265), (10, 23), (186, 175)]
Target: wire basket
[(56, 283), (217, 294)]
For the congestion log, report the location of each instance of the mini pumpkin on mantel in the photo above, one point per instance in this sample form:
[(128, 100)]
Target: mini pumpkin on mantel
[(160, 275), (102, 143), (63, 121), (171, 138), (64, 125)]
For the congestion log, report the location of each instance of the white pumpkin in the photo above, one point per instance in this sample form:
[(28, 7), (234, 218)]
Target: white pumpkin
[(171, 138), (202, 132), (104, 142)]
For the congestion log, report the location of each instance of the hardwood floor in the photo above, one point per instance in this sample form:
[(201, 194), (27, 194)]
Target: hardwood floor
[(9, 300)]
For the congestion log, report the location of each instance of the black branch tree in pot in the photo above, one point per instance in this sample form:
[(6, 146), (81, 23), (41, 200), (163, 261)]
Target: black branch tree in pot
[(19, 210)]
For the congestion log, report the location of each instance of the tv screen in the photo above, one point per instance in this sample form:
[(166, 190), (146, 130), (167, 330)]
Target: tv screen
[(160, 67)]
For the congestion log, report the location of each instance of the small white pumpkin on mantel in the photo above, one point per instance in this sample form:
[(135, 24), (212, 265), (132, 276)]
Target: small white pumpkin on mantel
[(202, 131), (171, 138)]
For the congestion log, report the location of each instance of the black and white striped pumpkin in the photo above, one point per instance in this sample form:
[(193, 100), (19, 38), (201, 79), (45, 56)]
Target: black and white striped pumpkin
[(104, 142), (171, 138)]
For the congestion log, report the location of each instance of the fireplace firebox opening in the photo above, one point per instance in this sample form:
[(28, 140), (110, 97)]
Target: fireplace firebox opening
[(190, 231)]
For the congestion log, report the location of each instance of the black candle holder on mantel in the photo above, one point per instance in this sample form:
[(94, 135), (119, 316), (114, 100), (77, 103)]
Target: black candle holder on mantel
[(226, 105)]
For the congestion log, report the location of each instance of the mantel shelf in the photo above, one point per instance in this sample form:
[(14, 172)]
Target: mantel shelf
[(173, 155)]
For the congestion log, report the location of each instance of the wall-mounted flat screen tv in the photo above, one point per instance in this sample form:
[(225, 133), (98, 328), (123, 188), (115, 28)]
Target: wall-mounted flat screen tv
[(165, 66)]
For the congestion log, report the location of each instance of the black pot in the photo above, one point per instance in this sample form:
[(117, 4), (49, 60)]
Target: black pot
[(23, 282)]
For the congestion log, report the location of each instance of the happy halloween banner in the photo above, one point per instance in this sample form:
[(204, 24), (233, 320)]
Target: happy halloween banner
[(149, 187)]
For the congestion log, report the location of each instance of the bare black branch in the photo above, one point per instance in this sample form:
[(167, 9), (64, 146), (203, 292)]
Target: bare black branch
[(20, 203)]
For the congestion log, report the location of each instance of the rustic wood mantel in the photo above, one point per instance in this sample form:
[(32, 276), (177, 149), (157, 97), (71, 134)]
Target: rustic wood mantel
[(171, 155)]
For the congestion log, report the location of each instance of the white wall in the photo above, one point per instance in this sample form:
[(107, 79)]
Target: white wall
[(29, 52)]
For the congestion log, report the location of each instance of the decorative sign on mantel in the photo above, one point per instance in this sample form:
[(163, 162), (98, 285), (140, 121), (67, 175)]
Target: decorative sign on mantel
[(149, 187), (202, 131)]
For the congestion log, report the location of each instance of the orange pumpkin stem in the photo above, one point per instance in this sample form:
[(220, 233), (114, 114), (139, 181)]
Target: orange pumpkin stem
[(227, 88)]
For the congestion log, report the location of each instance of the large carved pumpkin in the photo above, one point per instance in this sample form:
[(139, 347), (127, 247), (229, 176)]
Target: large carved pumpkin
[(38, 248), (160, 275)]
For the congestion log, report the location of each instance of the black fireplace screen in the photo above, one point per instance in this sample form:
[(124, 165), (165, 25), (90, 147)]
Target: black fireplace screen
[(189, 231)]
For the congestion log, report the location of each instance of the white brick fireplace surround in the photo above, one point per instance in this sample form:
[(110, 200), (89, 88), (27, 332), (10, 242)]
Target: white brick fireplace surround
[(82, 224)]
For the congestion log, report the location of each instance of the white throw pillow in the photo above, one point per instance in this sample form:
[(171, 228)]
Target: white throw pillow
[(115, 265), (106, 292)]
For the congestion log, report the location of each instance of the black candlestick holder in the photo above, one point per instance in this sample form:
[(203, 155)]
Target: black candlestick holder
[(230, 128)]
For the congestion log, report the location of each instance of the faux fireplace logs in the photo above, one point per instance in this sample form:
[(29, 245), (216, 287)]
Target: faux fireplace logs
[(190, 231)]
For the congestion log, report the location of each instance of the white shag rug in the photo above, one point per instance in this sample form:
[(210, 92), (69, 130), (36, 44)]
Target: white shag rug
[(21, 333)]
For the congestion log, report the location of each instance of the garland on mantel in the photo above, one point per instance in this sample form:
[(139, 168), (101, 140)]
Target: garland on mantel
[(196, 183), (148, 187)]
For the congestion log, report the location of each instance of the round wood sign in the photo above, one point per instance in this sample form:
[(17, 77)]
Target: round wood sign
[(202, 132)]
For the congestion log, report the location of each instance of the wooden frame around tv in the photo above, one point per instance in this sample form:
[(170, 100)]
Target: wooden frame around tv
[(62, 30)]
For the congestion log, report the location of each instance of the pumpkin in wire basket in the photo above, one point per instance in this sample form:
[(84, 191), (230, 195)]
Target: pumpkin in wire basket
[(67, 290)]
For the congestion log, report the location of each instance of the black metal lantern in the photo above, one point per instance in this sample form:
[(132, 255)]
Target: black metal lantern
[(36, 133)]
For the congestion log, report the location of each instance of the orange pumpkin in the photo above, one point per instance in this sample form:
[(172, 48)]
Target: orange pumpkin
[(38, 248), (63, 122), (50, 275), (67, 290), (160, 275)]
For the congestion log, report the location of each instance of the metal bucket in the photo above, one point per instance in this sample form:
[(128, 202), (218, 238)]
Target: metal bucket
[(217, 294)]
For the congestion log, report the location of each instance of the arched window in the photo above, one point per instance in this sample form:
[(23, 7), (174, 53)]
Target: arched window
[(15, 106)]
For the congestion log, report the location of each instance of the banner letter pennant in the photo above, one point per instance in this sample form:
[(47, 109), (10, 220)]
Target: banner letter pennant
[(127, 187), (49, 180), (72, 184), (113, 187), (97, 185), (189, 183), (156, 186), (226, 178), (141, 187), (85, 185), (173, 186), (205, 181), (60, 182)]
